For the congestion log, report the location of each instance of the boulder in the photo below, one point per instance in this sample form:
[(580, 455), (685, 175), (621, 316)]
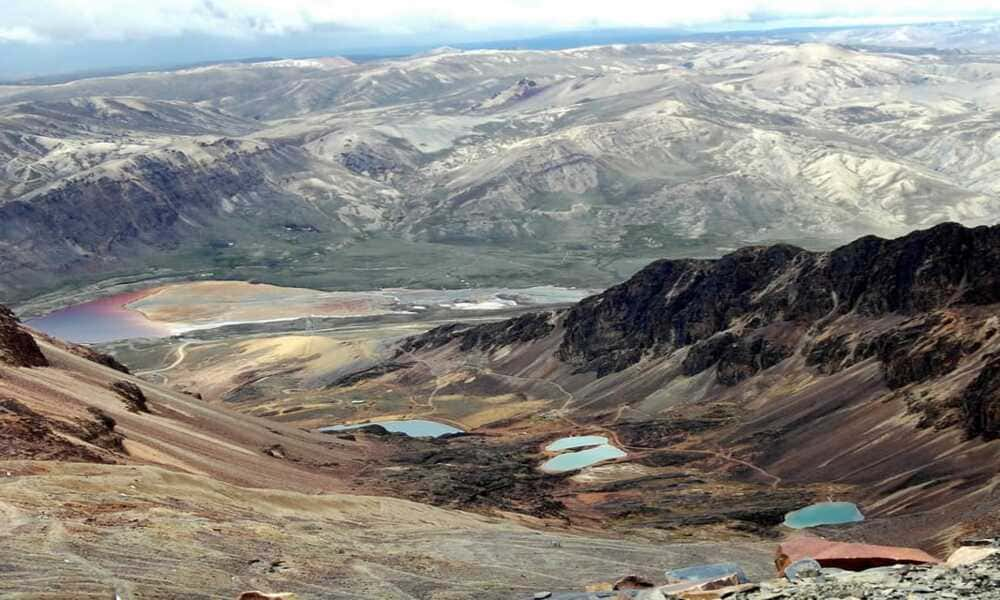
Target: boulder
[(707, 573), (131, 396), (970, 554), (800, 569), (685, 589), (848, 556)]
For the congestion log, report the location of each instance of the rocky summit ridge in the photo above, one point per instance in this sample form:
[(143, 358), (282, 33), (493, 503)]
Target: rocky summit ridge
[(920, 301)]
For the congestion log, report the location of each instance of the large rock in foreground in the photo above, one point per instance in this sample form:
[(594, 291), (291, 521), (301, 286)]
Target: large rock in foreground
[(848, 556)]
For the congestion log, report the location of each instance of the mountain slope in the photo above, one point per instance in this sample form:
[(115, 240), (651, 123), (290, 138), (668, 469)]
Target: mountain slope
[(873, 366), (113, 486)]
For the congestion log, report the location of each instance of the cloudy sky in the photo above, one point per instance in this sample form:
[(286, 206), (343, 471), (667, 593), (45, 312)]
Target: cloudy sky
[(54, 35)]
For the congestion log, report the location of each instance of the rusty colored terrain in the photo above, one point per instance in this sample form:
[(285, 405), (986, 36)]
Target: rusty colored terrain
[(104, 491), (741, 388), (869, 373)]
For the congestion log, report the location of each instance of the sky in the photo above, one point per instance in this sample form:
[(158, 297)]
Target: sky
[(39, 36)]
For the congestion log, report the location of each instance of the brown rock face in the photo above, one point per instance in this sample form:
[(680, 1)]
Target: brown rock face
[(737, 358), (131, 395), (676, 303), (843, 555), (28, 435), (17, 347), (981, 402)]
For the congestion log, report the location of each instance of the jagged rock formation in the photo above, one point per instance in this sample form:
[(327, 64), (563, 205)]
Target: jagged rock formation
[(672, 304), (17, 347), (27, 435), (131, 395)]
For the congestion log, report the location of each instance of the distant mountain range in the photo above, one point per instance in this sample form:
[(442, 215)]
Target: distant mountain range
[(569, 166)]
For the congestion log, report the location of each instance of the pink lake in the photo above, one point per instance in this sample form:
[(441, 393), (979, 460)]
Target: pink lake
[(102, 320)]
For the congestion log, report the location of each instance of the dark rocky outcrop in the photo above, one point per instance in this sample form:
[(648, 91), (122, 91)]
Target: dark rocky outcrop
[(363, 160), (369, 373), (737, 358), (834, 353), (17, 347), (132, 396), (28, 435), (100, 431), (668, 305), (521, 329), (912, 353), (100, 358), (466, 472), (675, 303), (435, 338), (980, 402), (662, 432)]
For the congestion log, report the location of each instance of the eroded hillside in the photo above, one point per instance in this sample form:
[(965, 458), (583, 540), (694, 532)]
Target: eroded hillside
[(573, 167), (111, 486)]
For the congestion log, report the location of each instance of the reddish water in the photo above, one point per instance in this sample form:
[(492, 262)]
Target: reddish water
[(102, 320)]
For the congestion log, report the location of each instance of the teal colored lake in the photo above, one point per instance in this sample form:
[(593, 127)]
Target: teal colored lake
[(824, 513), (571, 461), (578, 441), (412, 427)]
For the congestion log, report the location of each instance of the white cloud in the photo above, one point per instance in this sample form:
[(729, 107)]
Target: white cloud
[(19, 34), (36, 20)]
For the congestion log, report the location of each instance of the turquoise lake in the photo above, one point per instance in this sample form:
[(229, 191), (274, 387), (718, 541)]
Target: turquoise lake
[(824, 513), (412, 427)]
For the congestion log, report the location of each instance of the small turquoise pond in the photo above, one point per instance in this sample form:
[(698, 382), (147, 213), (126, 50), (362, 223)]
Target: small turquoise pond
[(412, 427), (824, 513), (571, 461), (579, 441)]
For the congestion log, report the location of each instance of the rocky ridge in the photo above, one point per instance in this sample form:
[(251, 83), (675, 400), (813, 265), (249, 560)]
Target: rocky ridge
[(924, 299)]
